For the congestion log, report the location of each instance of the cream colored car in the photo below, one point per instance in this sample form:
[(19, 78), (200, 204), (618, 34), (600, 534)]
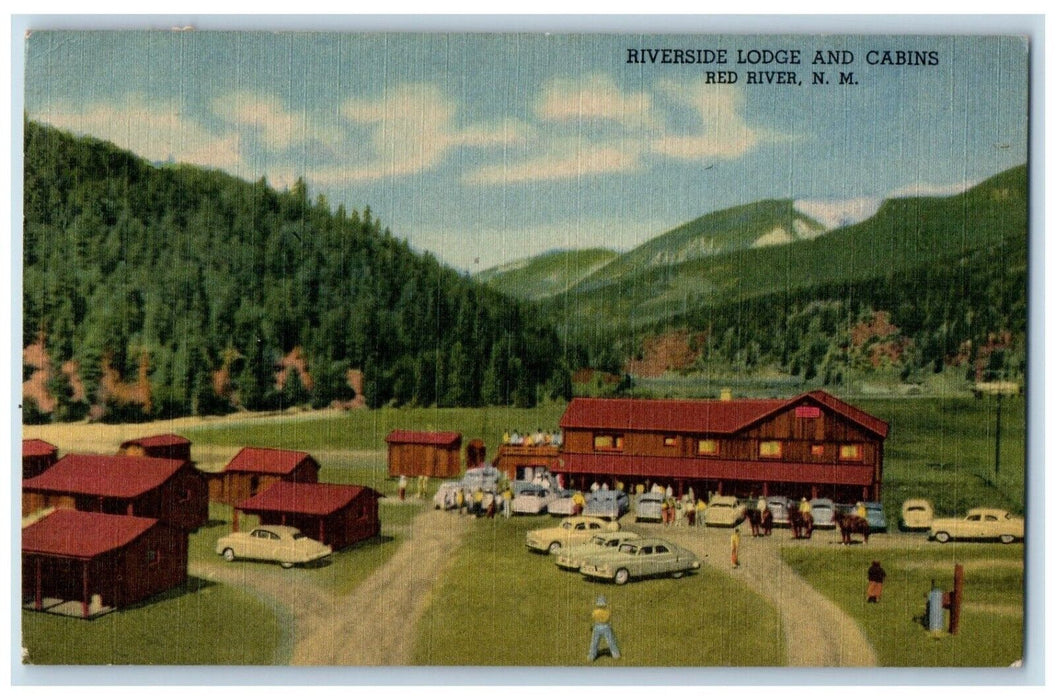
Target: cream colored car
[(571, 531), (917, 514), (979, 524), (724, 511)]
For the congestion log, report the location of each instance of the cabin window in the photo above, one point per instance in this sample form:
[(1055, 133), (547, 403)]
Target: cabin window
[(770, 449), (707, 446), (608, 442), (670, 441), (153, 558), (817, 450), (851, 452)]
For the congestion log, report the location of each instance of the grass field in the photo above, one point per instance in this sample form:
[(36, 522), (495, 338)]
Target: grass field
[(503, 605), (991, 632), (200, 623)]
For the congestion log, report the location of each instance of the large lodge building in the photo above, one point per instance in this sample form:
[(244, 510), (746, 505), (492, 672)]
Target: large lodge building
[(812, 445)]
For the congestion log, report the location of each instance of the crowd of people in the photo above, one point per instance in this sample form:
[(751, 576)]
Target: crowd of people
[(539, 438)]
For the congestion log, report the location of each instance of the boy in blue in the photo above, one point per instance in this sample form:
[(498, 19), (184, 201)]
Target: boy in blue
[(601, 617)]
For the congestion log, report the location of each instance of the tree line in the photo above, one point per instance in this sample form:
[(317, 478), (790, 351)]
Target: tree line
[(201, 284)]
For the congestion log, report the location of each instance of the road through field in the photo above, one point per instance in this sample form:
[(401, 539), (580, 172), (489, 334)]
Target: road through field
[(817, 632)]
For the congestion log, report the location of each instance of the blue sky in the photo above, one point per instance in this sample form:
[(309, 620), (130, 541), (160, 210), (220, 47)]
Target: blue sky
[(488, 148)]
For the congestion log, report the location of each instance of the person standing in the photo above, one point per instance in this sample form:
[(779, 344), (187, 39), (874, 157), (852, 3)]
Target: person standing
[(578, 501), (876, 576), (478, 502), (735, 548), (403, 487), (460, 500), (701, 507), (507, 501), (601, 620)]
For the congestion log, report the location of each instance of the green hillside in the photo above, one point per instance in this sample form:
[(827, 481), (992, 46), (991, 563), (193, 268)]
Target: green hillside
[(547, 274), (903, 234), (756, 225), (155, 292)]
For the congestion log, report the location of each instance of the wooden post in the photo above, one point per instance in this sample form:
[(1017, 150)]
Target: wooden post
[(234, 522), (766, 489), (956, 598), (38, 595), (84, 590)]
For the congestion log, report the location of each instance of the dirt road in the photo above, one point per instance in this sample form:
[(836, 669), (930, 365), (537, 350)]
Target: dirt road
[(372, 626), (817, 632)]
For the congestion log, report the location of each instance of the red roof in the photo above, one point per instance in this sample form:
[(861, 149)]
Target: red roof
[(698, 416), (38, 448), (307, 499), (415, 437), (265, 460), (163, 440), (73, 533), (103, 475)]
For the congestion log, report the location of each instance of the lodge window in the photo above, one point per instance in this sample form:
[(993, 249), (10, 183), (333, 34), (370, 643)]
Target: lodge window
[(152, 558), (707, 446), (608, 443), (670, 441), (851, 452), (817, 450), (771, 449)]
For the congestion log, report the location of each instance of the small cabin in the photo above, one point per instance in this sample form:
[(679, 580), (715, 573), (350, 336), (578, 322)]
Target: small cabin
[(417, 453), (37, 457), (254, 469), (167, 445)]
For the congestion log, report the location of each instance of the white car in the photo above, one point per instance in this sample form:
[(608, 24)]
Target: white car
[(725, 511), (445, 497), (562, 505), (533, 500), (978, 524), (280, 543)]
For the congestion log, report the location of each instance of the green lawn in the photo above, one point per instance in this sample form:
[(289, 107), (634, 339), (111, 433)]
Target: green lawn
[(500, 604), (991, 632), (201, 623)]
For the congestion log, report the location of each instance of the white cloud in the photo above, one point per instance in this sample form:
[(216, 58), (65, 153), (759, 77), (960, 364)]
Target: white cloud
[(412, 127), (927, 189), (596, 98), (278, 128), (561, 164), (723, 133), (154, 129)]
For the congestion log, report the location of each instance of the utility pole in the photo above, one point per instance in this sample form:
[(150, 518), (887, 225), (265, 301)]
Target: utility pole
[(997, 438)]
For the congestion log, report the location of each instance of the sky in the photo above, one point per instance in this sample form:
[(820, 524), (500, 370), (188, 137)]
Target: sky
[(486, 149)]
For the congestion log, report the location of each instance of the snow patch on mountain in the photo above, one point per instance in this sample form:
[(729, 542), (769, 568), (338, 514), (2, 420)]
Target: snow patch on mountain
[(776, 236), (834, 213)]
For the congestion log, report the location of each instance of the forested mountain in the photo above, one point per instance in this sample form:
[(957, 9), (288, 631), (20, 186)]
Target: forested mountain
[(161, 291), (546, 274), (924, 283)]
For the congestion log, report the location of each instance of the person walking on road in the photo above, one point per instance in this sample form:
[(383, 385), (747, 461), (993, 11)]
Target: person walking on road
[(601, 619), (876, 576)]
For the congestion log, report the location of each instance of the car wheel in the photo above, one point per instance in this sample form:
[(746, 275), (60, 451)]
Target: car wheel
[(286, 564), (229, 554), (942, 537), (678, 574), (622, 576), (1007, 539), (554, 547)]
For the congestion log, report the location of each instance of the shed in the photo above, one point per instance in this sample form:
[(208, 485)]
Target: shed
[(165, 445), (85, 564), (170, 490), (336, 514), (37, 456), (254, 469), (418, 453)]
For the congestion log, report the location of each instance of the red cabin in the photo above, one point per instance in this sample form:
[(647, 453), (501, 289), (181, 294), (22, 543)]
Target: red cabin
[(335, 514), (254, 469), (37, 456), (166, 445), (416, 453)]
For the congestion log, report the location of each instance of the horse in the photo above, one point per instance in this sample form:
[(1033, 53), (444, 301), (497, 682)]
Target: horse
[(801, 524), (760, 522), (851, 525)]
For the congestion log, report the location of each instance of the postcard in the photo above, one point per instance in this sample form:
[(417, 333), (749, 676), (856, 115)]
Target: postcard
[(481, 349)]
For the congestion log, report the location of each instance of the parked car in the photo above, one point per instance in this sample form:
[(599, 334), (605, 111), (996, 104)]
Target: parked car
[(280, 543), (725, 511), (823, 510), (444, 498), (486, 478), (607, 504), (562, 504), (917, 514), (571, 531), (780, 506), (648, 507), (978, 524), (640, 558), (572, 557), (533, 500), (874, 513)]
